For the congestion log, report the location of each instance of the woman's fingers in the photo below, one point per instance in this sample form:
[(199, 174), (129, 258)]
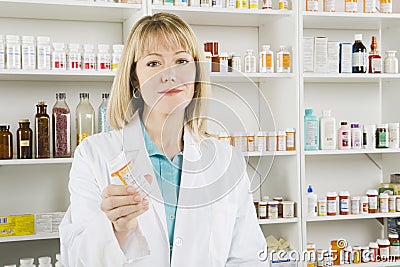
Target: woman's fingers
[(123, 211), (118, 190)]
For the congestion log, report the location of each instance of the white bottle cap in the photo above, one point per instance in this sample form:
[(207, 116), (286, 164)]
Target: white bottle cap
[(118, 47), (43, 39), (223, 54), (393, 125), (14, 38), (281, 133), (74, 47), (266, 47), (358, 37), (28, 39), (103, 47), (26, 261), (58, 256), (326, 113), (44, 260), (208, 54), (58, 45), (89, 47)]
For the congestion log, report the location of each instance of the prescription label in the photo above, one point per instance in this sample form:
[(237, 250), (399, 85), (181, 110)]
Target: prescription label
[(17, 225)]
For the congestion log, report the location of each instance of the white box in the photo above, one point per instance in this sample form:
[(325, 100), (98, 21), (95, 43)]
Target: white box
[(346, 54), (321, 54), (308, 54), (333, 57)]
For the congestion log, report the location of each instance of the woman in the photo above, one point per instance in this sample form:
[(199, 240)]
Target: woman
[(191, 204)]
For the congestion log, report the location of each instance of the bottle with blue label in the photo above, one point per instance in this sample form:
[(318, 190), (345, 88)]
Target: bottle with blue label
[(311, 131)]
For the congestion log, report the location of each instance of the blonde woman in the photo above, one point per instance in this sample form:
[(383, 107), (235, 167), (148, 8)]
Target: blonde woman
[(186, 201)]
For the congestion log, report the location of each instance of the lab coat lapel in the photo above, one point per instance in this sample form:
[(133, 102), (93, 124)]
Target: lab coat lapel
[(133, 143)]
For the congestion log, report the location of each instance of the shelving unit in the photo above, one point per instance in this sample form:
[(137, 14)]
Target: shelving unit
[(35, 161), (352, 151), (29, 237), (353, 217)]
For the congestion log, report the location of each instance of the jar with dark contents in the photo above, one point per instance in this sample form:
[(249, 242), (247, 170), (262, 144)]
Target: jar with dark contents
[(6, 142), (61, 117), (24, 140), (42, 132)]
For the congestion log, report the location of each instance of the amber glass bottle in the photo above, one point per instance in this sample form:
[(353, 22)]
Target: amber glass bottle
[(6, 142), (374, 58), (24, 140), (42, 132)]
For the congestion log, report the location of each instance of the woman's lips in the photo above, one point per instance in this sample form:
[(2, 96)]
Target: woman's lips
[(171, 92)]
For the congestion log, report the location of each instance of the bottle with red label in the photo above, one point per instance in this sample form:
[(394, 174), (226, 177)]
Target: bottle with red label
[(103, 58), (89, 57), (344, 136), (374, 58), (59, 57), (74, 57)]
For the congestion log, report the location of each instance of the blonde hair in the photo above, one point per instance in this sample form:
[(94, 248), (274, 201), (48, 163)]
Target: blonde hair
[(174, 31)]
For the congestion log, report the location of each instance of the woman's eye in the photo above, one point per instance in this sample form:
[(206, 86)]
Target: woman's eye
[(153, 64), (182, 61)]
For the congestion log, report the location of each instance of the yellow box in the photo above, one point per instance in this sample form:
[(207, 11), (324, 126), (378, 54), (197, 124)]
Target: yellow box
[(17, 225)]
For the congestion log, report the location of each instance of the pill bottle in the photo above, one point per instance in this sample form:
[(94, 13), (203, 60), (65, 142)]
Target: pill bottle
[(116, 56), (364, 206), (373, 250), (372, 201), (59, 57), (331, 198), (384, 249), (262, 210), (384, 203), (322, 207), (355, 205), (344, 203)]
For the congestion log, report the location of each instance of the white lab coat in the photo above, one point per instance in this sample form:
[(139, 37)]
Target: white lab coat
[(216, 223)]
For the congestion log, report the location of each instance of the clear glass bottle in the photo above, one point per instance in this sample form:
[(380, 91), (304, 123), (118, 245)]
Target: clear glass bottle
[(84, 118), (28, 53), (116, 56), (89, 57), (249, 62), (236, 62), (283, 60), (391, 62), (43, 53), (104, 126), (6, 142), (74, 58), (59, 57), (103, 58), (266, 60), (42, 131), (2, 53), (13, 54), (61, 116), (24, 140)]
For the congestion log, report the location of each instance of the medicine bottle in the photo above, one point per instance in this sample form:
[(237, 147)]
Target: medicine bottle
[(381, 136), (262, 210), (223, 61), (61, 123), (283, 4), (344, 203), (392, 203), (24, 140), (312, 5), (2, 53), (394, 135), (373, 250), (283, 60), (266, 60), (104, 126), (253, 4), (103, 57), (356, 136), (384, 249), (74, 57), (329, 6), (241, 4), (28, 53), (236, 62), (391, 62), (311, 131), (273, 209), (251, 143), (267, 4), (350, 6), (369, 140), (84, 118), (89, 57), (355, 205), (359, 56), (271, 141), (331, 198), (365, 257), (344, 136), (322, 207), (43, 53), (394, 249), (290, 139), (240, 141), (337, 252), (372, 201), (384, 203), (280, 205), (42, 132), (386, 6), (281, 141), (116, 56), (249, 62), (369, 6), (59, 59), (364, 205), (231, 4), (13, 52), (261, 141), (6, 142), (224, 137), (356, 254), (311, 250), (374, 58)]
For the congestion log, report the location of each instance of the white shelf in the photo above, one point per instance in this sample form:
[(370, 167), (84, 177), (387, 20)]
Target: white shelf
[(372, 264), (223, 16), (352, 151), (347, 77), (353, 217), (342, 20), (53, 75), (269, 153), (67, 10), (29, 237), (35, 161), (246, 77), (278, 221)]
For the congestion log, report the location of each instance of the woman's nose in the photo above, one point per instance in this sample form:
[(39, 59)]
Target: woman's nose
[(168, 75)]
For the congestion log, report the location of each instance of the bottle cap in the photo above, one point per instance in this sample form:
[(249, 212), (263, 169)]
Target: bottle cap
[(74, 47), (373, 245), (23, 121), (83, 95), (358, 37), (372, 192), (4, 127), (266, 47), (344, 193), (60, 96), (355, 198), (58, 45), (383, 242), (393, 125), (58, 256), (43, 39), (331, 194), (355, 125), (29, 39), (105, 96), (12, 38), (44, 260), (26, 261), (118, 47), (309, 111), (343, 123), (89, 47), (393, 235), (281, 133), (103, 47), (326, 112), (310, 189), (290, 130), (41, 103)]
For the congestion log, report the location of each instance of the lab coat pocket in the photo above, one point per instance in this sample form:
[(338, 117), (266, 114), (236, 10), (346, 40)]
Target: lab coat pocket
[(223, 216)]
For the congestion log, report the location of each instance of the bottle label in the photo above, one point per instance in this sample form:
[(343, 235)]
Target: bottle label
[(351, 6), (266, 61), (286, 61), (28, 57), (345, 139), (311, 133), (283, 4), (382, 139), (373, 203), (359, 59), (290, 140), (329, 5), (253, 4), (386, 6), (356, 139), (24, 143), (394, 249), (376, 65), (344, 205), (43, 60), (329, 138), (13, 57), (312, 5), (331, 206)]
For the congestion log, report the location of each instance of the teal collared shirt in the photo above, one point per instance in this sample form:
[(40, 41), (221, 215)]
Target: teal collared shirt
[(168, 175)]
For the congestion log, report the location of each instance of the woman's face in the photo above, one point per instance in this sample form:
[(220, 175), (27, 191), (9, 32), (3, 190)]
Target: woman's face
[(166, 78)]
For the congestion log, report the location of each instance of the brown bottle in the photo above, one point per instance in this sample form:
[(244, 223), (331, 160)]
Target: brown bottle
[(42, 132), (6, 142), (24, 140), (375, 60)]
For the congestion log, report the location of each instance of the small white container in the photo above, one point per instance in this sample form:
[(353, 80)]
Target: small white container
[(393, 135), (261, 141), (43, 53), (288, 209), (74, 58), (271, 141), (59, 59), (13, 52), (391, 62), (283, 60), (89, 57), (236, 62), (116, 56), (103, 57), (249, 62), (28, 54)]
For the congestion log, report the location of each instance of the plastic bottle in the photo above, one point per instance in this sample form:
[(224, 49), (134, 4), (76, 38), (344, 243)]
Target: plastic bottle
[(356, 136), (328, 131), (44, 262), (266, 60), (74, 57), (391, 62), (13, 52), (103, 58), (28, 53), (58, 261), (43, 53), (116, 56), (59, 59), (283, 60), (89, 57), (249, 62), (311, 129), (312, 201), (344, 136), (359, 61), (104, 126), (61, 117), (84, 118)]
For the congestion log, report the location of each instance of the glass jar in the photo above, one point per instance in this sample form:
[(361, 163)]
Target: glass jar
[(13, 52), (236, 62), (249, 62), (391, 62), (6, 142), (43, 53), (104, 126), (24, 140), (89, 57), (103, 58), (74, 57), (28, 53), (283, 60), (59, 57), (116, 56), (84, 118), (42, 132), (61, 116)]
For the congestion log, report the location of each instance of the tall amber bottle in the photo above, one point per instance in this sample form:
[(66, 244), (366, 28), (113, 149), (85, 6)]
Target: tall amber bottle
[(24, 140), (42, 132), (374, 58)]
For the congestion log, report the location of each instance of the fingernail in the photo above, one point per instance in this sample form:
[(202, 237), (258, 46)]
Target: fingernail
[(145, 202), (137, 198), (130, 189)]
